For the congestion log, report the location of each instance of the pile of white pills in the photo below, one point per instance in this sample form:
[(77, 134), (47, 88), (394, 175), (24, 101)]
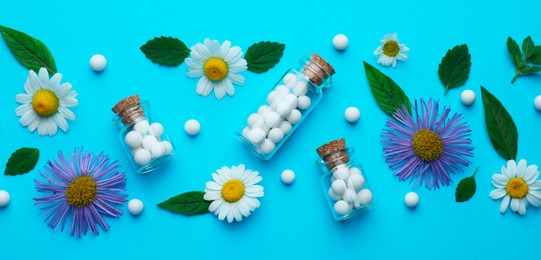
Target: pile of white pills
[(145, 143), (274, 120), (347, 190)]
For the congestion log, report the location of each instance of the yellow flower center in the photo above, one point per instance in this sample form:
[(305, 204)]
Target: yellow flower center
[(427, 145), (517, 188), (390, 48), (45, 103), (232, 191), (215, 69), (81, 191)]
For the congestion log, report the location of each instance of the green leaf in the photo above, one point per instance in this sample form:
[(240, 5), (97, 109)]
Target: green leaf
[(22, 161), (263, 56), (29, 52), (529, 70), (455, 67), (166, 51), (536, 55), (527, 47), (500, 126), (466, 188), (189, 203), (387, 93), (514, 51)]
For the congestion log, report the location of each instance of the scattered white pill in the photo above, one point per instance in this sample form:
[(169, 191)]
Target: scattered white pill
[(333, 195), (267, 146), (287, 176), (133, 139), (290, 80), (272, 119), (341, 173), (411, 199), (300, 89), (304, 102), (338, 186), (365, 196), (286, 127), (537, 103), (256, 135), (340, 42), (272, 96), (98, 62), (148, 141), (276, 135), (294, 116), (4, 198), (157, 150), (135, 207), (192, 127), (283, 109), (341, 207), (352, 114), (467, 97), (167, 147), (263, 110), (156, 129), (141, 127), (357, 180), (142, 157), (252, 119)]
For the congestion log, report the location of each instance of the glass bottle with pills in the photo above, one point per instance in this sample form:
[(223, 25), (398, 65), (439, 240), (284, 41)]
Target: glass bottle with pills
[(143, 139), (344, 182), (290, 100)]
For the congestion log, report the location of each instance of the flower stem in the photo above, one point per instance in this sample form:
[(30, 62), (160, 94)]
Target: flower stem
[(515, 78)]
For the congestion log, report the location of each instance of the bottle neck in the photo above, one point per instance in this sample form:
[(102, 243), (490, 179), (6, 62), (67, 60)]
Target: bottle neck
[(317, 72), (130, 115), (337, 159)]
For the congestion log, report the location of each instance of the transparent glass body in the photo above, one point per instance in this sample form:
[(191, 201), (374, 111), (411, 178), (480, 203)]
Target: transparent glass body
[(145, 155)]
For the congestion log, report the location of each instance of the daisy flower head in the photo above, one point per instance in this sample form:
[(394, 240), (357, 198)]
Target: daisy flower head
[(428, 147), (517, 185), (217, 66), (80, 189), (233, 192), (391, 50)]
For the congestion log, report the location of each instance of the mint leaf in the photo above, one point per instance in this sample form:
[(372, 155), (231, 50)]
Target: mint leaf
[(500, 126), (466, 188), (387, 93), (263, 56), (28, 51), (454, 68), (536, 55), (514, 51), (166, 51), (527, 47), (22, 161), (529, 70), (189, 203)]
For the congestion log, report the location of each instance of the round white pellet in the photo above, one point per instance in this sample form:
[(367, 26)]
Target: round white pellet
[(338, 186), (272, 96), (341, 207), (272, 119), (411, 199), (167, 147), (148, 141), (262, 110), (357, 180), (135, 207), (537, 103), (354, 170), (352, 114), (287, 176), (267, 146), (341, 173), (4, 198), (252, 119), (133, 139), (290, 80), (256, 135), (276, 135), (282, 90), (340, 42), (245, 132), (300, 89), (157, 150), (467, 97), (192, 127), (283, 109), (365, 196), (134, 150), (304, 102), (286, 127), (350, 195), (291, 99), (98, 62), (156, 129), (294, 116), (141, 127), (142, 157), (333, 195)]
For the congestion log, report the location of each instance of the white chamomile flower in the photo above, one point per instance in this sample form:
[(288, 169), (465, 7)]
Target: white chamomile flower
[(518, 186), (233, 193), (45, 105), (218, 67), (391, 51)]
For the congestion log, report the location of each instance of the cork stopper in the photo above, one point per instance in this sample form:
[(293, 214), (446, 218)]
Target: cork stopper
[(129, 109), (333, 153), (317, 70)]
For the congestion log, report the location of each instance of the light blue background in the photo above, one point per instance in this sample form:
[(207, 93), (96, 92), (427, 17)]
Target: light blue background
[(293, 221)]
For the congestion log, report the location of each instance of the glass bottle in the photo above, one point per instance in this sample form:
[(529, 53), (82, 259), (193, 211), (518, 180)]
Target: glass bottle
[(143, 139), (290, 100), (344, 182)]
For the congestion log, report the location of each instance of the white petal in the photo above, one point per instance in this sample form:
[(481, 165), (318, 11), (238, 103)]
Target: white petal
[(238, 215), (521, 167), (191, 64), (51, 126), (505, 203), (61, 122), (195, 73), (505, 172), (515, 204), (68, 101), (43, 126), (204, 86), (378, 50), (224, 209), (32, 127), (22, 109), (28, 117), (224, 49), (531, 174), (535, 186), (215, 204), (499, 181), (231, 213), (394, 63), (533, 200), (238, 67), (212, 195), (68, 114), (243, 208), (251, 203), (23, 98), (43, 77), (55, 81), (512, 168), (32, 83), (233, 55), (219, 90), (404, 48), (522, 206), (218, 179), (213, 186), (251, 180), (62, 90), (214, 48), (497, 194), (229, 89)]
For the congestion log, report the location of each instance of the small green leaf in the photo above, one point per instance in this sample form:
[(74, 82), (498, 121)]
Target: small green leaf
[(29, 52), (500, 126), (527, 47), (166, 51), (466, 188), (529, 70), (263, 56), (514, 51), (536, 55), (189, 203), (22, 161), (454, 68), (387, 93)]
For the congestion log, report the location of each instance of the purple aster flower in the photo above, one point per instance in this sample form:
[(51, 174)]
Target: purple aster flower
[(81, 190), (428, 147)]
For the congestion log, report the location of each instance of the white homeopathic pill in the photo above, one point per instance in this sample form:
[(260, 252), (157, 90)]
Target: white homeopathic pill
[(365, 196), (252, 119), (300, 89), (537, 103), (157, 150), (338, 186), (262, 110), (286, 127), (4, 198), (272, 96), (294, 116), (267, 146), (411, 199), (135, 207), (340, 42), (192, 127), (341, 173), (291, 99), (341, 207), (287, 176), (142, 157), (256, 135), (304, 102), (272, 119), (352, 114), (141, 127), (155, 129), (98, 62), (333, 195), (167, 147), (283, 109), (133, 139), (276, 135), (354, 170), (148, 141), (290, 80), (357, 180), (467, 97)]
